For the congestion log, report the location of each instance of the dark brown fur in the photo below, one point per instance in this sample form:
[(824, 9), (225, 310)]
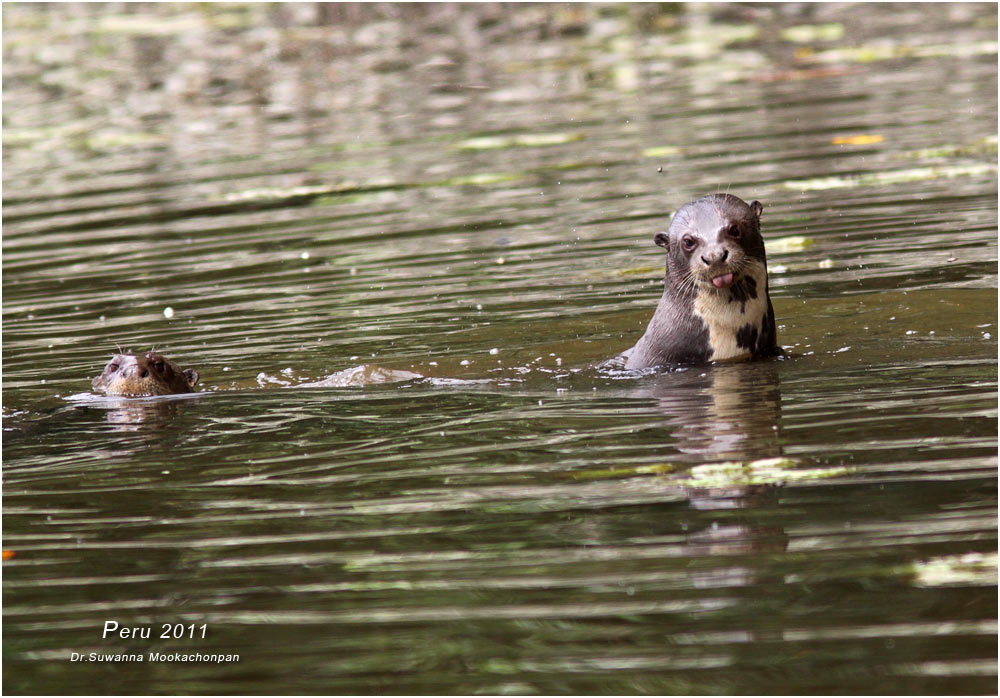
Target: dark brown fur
[(144, 375)]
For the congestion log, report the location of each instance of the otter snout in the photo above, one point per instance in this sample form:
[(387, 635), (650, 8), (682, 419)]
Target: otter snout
[(131, 366), (720, 266), (133, 370), (717, 256)]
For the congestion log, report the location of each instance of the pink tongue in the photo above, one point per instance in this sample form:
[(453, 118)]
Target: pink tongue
[(722, 281)]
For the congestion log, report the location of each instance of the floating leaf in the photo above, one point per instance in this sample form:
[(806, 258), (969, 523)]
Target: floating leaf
[(274, 193), (882, 52), (526, 140), (767, 471), (485, 143), (799, 266), (890, 177), (533, 139), (972, 569), (481, 179), (622, 472), (306, 190), (979, 147), (30, 136), (663, 151), (151, 25), (806, 33), (790, 243), (861, 139)]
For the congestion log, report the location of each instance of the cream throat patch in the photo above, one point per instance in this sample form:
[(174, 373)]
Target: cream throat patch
[(734, 316)]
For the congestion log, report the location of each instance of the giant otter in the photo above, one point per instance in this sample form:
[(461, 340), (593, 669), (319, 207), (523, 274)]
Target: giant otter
[(715, 304), (144, 375)]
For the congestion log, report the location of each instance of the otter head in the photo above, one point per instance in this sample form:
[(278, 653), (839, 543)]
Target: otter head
[(144, 375), (713, 243)]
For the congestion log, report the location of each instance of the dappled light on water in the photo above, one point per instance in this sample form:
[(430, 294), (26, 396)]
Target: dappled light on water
[(396, 242)]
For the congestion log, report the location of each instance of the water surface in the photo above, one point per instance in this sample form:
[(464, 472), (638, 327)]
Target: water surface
[(470, 193)]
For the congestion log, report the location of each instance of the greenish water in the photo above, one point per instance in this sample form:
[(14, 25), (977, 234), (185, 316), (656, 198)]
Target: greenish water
[(311, 190)]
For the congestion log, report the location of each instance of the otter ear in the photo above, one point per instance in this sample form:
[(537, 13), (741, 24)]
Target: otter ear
[(192, 376), (662, 240), (757, 208)]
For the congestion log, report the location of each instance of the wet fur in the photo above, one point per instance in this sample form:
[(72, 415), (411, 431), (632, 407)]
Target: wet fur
[(144, 375), (695, 322)]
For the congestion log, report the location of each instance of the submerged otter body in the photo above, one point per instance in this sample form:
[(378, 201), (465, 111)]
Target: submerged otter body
[(144, 375), (715, 304)]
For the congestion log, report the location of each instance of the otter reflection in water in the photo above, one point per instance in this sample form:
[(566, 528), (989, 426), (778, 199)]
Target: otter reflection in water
[(726, 412)]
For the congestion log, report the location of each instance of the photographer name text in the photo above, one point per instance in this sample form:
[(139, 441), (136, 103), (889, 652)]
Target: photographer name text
[(162, 631), (210, 657)]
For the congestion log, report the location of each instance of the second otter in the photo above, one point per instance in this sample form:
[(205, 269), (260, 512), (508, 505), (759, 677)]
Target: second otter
[(715, 304), (144, 375)]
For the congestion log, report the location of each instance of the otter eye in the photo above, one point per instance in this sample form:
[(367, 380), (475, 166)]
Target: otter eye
[(113, 367), (688, 243), (734, 231), (158, 366)]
